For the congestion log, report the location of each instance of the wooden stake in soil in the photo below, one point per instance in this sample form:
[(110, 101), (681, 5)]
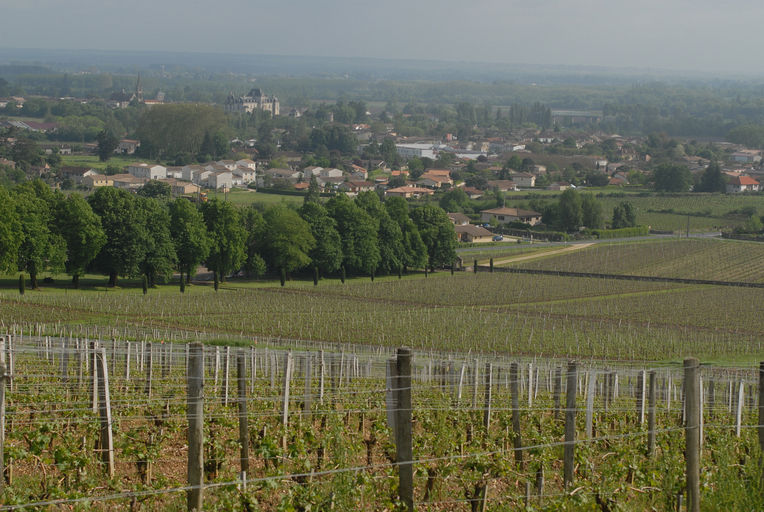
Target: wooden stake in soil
[(149, 369), (514, 384), (570, 425), (739, 408), (403, 444), (390, 397), (226, 374), (651, 416), (104, 407), (307, 402), (760, 428), (590, 403), (692, 432), (557, 391), (641, 385), (288, 362), (488, 389), (195, 414), (241, 381), (2, 424)]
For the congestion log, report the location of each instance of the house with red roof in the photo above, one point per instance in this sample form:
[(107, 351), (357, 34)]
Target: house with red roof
[(738, 184)]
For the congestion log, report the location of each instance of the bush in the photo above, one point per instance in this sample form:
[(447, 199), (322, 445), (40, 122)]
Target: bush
[(603, 234)]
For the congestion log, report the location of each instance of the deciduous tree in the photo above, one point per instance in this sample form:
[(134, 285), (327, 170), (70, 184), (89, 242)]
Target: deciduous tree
[(437, 233), (327, 253), (41, 248), (189, 236), (287, 239), (227, 235), (82, 231), (125, 231)]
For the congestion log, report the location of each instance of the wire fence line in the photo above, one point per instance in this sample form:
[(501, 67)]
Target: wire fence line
[(293, 392)]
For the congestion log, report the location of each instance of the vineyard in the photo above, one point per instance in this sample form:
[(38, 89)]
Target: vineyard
[(310, 428), (496, 312), (684, 258), (262, 397)]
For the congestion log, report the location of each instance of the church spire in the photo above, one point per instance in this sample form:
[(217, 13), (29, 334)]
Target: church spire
[(138, 89)]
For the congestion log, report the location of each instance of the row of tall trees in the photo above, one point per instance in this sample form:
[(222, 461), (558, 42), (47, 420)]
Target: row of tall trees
[(121, 234)]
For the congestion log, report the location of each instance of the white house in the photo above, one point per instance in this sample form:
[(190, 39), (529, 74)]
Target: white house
[(246, 162), (524, 179), (228, 164), (220, 179), (243, 175), (418, 149), (146, 171), (331, 173), (737, 184)]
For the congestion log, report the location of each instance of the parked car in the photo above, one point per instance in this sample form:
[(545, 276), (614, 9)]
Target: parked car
[(498, 238)]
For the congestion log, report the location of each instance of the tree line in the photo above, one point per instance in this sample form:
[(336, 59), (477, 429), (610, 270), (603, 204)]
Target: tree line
[(120, 234)]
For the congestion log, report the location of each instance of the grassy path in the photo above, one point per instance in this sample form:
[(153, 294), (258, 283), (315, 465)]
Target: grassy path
[(542, 254)]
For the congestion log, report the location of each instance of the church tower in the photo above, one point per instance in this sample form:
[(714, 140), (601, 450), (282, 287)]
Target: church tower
[(138, 90)]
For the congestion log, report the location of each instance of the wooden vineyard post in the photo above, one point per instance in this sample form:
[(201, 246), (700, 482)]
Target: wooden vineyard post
[(106, 442), (2, 424), (557, 391), (514, 384), (641, 385), (403, 444), (390, 397), (530, 385), (93, 375), (307, 402), (195, 414), (253, 369), (226, 374), (460, 386), (590, 386), (739, 408), (321, 377), (651, 416), (127, 363), (760, 427), (288, 362), (692, 432), (475, 386), (241, 381), (10, 362), (488, 388), (570, 424), (149, 369)]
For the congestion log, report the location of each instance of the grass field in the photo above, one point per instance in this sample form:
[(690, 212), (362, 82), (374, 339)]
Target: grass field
[(507, 313), (95, 163), (247, 197), (707, 212)]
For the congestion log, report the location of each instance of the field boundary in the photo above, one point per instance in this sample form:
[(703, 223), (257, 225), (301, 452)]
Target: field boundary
[(623, 277)]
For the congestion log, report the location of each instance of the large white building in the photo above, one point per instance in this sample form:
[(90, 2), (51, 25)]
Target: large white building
[(146, 171), (419, 150), (255, 100)]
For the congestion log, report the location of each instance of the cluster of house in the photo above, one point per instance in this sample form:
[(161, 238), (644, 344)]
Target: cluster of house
[(188, 179), (472, 233)]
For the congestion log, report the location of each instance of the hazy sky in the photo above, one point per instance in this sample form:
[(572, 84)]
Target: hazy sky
[(656, 34)]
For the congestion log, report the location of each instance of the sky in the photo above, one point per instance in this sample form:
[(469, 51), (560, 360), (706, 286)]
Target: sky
[(701, 35)]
